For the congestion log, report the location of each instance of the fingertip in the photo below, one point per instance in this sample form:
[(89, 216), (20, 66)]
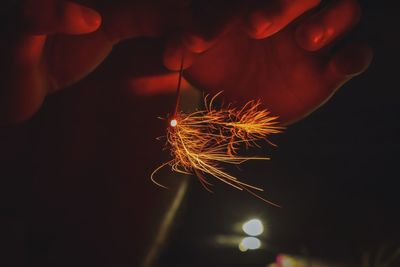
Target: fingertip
[(91, 17), (352, 60), (258, 26), (274, 17), (312, 37), (79, 19), (196, 43), (200, 37), (328, 25), (174, 53)]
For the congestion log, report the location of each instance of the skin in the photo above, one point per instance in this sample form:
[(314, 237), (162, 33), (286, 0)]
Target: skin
[(249, 46)]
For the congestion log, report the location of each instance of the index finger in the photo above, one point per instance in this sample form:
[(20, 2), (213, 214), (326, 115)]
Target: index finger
[(276, 15)]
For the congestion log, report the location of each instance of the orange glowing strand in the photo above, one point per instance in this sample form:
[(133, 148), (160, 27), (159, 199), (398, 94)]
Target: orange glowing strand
[(203, 141)]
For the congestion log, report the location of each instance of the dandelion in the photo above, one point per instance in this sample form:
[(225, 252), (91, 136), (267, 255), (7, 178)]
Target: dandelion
[(202, 142)]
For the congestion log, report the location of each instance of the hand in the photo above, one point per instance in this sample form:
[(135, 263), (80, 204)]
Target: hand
[(57, 43), (291, 70), (43, 62), (34, 65)]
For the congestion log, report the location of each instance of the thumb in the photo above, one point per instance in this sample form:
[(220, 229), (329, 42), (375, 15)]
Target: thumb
[(54, 16), (24, 81)]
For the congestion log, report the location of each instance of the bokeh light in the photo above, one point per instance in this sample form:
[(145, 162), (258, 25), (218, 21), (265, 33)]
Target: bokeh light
[(173, 123), (253, 227), (249, 243)]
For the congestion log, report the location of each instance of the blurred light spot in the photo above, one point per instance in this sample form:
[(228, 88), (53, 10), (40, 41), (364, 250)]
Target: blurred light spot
[(253, 227), (242, 248), (228, 240), (173, 123), (249, 243), (285, 260)]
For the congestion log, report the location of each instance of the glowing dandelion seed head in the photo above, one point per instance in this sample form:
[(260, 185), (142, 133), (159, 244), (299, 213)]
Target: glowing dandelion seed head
[(203, 141)]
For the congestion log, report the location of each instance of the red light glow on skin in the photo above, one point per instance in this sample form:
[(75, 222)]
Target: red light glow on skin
[(156, 84)]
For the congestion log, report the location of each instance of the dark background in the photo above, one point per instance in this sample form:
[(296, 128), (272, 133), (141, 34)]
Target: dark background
[(74, 189)]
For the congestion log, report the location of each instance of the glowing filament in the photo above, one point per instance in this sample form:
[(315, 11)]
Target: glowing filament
[(203, 141)]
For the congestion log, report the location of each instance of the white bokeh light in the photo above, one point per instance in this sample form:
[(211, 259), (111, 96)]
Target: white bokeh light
[(249, 243), (253, 227), (173, 122)]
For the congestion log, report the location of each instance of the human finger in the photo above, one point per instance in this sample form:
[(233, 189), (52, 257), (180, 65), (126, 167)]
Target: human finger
[(350, 61), (275, 15), (55, 16), (328, 25), (176, 55), (205, 27)]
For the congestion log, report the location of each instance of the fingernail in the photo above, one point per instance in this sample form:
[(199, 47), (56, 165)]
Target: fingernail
[(316, 34), (260, 25), (91, 17), (263, 27)]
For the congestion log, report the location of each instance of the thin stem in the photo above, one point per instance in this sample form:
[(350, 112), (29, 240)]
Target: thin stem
[(178, 88)]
